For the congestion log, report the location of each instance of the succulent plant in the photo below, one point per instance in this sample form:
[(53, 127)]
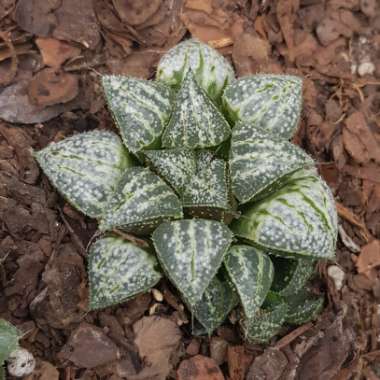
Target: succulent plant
[(232, 213)]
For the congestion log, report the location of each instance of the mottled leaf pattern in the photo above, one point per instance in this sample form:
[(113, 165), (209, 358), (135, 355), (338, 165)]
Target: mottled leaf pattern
[(212, 71), (299, 220), (196, 122), (140, 202), (251, 271), (9, 337), (141, 109), (85, 168), (259, 163), (191, 252), (303, 307), (117, 271), (268, 102), (176, 166)]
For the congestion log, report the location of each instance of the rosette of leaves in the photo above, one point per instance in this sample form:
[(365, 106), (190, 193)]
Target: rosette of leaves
[(241, 229)]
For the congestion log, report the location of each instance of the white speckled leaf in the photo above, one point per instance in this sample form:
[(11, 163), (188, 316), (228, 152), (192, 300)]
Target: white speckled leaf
[(141, 201), (251, 271), (259, 163), (216, 303), (195, 122), (9, 337), (269, 102), (299, 220), (176, 166), (117, 271), (85, 168), (212, 71), (141, 109), (191, 252)]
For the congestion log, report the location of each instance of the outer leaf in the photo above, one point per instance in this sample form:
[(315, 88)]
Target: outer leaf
[(251, 271), (270, 102), (176, 166), (298, 221), (191, 252), (212, 71), (141, 201), (196, 122), (85, 168), (290, 276), (2, 372), (216, 303), (141, 109), (117, 271), (259, 163), (9, 337)]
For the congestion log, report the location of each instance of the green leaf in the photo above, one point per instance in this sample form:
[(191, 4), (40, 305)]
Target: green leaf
[(141, 109), (85, 168), (290, 276), (191, 252), (251, 271), (118, 270), (2, 372), (9, 337), (141, 201), (176, 166), (212, 71), (260, 163), (216, 303), (269, 102), (196, 122), (298, 221)]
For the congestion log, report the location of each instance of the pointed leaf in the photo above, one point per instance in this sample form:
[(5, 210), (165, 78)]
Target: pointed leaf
[(141, 109), (269, 102), (259, 163), (176, 166), (191, 252), (196, 122), (85, 168), (141, 201), (298, 221), (118, 270), (212, 71), (251, 271), (9, 337), (216, 303)]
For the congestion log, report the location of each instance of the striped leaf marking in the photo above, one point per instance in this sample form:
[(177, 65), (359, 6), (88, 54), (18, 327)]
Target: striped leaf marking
[(298, 221), (176, 166), (117, 271), (269, 102), (141, 109), (9, 337), (141, 201), (259, 163), (290, 276), (195, 122), (85, 168), (251, 271), (216, 303), (212, 71), (191, 252)]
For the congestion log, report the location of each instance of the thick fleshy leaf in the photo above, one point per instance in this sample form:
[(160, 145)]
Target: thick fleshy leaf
[(290, 275), (195, 122), (269, 102), (217, 301), (85, 168), (260, 163), (141, 201), (191, 252), (176, 166), (9, 337), (299, 220), (212, 71), (118, 270), (251, 271), (141, 109)]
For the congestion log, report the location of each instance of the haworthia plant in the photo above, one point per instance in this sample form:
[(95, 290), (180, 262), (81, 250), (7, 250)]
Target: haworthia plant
[(269, 102), (190, 179), (118, 270), (9, 337)]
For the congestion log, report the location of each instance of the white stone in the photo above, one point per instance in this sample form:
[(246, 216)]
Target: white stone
[(366, 68), (337, 275), (21, 363)]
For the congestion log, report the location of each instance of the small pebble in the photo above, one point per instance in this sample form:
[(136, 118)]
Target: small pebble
[(21, 363), (157, 295), (366, 68), (337, 275)]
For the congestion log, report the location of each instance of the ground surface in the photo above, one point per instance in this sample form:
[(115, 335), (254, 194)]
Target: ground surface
[(51, 54)]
